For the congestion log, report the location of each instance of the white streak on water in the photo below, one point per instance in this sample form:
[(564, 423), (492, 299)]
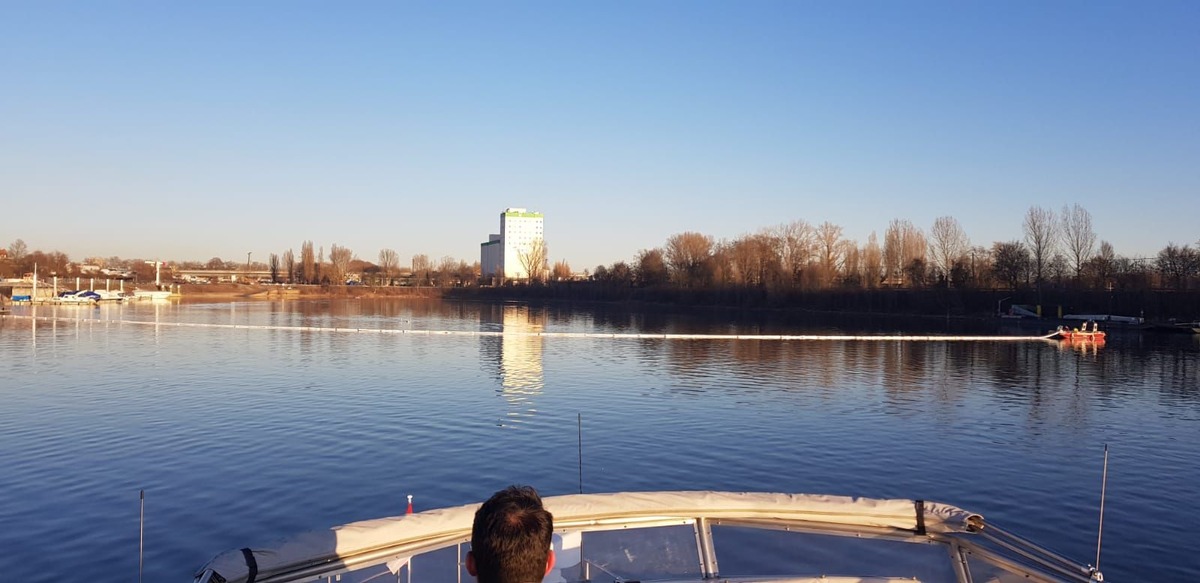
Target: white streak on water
[(493, 333)]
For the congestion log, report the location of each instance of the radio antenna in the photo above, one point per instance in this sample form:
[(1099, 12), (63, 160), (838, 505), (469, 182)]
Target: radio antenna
[(141, 530), (579, 429), (1103, 487)]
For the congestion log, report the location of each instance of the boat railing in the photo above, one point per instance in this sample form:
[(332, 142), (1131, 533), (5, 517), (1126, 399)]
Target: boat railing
[(676, 536)]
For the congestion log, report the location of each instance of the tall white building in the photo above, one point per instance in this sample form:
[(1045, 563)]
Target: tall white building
[(508, 254)]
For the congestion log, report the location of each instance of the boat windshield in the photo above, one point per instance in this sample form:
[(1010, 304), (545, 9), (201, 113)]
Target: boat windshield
[(675, 553), (668, 536)]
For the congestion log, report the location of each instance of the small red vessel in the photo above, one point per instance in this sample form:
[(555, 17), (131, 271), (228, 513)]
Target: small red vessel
[(1077, 335)]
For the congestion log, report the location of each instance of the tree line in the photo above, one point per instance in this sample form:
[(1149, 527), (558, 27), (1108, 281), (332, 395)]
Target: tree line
[(345, 268), (1057, 249), (309, 266)]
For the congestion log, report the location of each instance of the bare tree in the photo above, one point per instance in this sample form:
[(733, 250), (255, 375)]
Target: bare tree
[(852, 271), (1078, 236), (1058, 268), (389, 260), (651, 268), (446, 270), (1041, 237), (421, 266), (534, 259), (829, 251), (339, 263), (980, 265), (916, 272), (468, 273), (561, 271), (57, 263), (872, 261), (289, 260), (1178, 264), (621, 274), (1010, 263), (306, 273), (915, 248), (715, 270), (18, 250), (1102, 266), (893, 259), (795, 246), (904, 248), (688, 255), (949, 242), (751, 260), (960, 272), (273, 265)]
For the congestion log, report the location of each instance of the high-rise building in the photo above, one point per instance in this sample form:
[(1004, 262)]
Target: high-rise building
[(517, 249)]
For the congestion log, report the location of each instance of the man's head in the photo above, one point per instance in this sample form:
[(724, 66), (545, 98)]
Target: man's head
[(510, 539)]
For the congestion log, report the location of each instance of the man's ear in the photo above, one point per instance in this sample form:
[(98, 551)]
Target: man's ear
[(471, 564), (549, 561)]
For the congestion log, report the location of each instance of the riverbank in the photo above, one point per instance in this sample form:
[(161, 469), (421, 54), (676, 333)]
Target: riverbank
[(239, 291), (941, 304)]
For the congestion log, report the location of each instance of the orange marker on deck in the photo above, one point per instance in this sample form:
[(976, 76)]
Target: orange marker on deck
[(409, 511)]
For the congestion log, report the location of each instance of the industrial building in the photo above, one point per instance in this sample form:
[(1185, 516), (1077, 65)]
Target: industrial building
[(518, 249)]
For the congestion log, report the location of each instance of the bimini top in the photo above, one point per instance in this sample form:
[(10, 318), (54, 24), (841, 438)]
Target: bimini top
[(393, 541)]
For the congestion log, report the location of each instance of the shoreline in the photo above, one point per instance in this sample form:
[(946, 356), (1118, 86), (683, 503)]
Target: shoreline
[(799, 307)]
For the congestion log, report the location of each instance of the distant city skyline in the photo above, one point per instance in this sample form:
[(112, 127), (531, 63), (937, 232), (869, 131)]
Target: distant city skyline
[(188, 131)]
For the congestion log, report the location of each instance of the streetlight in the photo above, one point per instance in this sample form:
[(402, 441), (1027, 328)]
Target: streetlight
[(998, 312)]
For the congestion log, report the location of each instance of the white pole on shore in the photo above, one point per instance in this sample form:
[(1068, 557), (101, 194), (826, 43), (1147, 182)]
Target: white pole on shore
[(34, 296), (56, 286), (77, 283)]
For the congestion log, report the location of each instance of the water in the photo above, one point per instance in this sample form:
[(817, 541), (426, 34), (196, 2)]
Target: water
[(242, 436)]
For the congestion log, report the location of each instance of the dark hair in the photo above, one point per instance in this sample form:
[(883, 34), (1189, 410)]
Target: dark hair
[(510, 538)]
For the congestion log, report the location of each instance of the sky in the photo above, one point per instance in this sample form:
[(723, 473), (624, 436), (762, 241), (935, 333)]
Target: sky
[(185, 131)]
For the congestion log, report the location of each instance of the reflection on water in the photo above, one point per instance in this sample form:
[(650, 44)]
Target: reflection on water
[(240, 435), (516, 357)]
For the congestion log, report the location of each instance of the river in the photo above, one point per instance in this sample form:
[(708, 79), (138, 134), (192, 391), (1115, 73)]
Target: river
[(242, 429)]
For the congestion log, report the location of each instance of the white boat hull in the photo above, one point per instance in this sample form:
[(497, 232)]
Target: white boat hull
[(678, 536), (151, 295)]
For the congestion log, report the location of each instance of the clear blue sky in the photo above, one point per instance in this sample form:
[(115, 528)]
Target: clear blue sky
[(191, 130)]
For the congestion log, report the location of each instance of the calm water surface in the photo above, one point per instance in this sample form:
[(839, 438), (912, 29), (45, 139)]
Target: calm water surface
[(241, 436)]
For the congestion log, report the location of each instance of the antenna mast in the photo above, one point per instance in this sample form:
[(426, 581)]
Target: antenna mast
[(1100, 530), (141, 529), (579, 428)]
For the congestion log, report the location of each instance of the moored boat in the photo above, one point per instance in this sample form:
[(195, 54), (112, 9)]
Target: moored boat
[(77, 297), (109, 296), (678, 536), (1173, 327), (151, 294), (1077, 335)]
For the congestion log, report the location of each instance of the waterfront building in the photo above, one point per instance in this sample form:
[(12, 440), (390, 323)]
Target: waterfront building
[(490, 254), (517, 249)]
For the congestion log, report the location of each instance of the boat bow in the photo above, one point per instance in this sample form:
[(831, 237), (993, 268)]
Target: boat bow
[(391, 542)]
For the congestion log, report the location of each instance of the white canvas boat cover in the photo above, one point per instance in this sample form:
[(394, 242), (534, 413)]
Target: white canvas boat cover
[(576, 510)]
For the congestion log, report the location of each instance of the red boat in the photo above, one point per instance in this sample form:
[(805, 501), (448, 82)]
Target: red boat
[(1077, 335)]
